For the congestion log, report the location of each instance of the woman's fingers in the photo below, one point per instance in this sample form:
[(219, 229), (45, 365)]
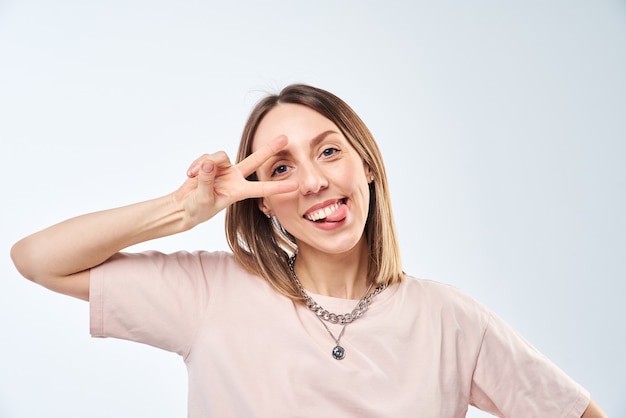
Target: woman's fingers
[(220, 158), (268, 188), (257, 158), (206, 177), (246, 167), (219, 179)]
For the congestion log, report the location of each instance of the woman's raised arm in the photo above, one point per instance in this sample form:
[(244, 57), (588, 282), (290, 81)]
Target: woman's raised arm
[(59, 257)]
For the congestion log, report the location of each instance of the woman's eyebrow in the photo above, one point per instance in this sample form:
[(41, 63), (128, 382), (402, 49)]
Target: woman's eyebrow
[(320, 137), (313, 142)]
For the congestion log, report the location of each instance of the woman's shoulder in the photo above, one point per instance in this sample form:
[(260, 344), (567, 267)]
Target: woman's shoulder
[(432, 287), (441, 297)]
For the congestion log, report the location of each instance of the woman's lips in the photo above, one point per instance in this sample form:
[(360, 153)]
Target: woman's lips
[(333, 212)]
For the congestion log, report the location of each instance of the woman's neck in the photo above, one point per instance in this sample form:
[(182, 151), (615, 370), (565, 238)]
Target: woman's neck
[(338, 275)]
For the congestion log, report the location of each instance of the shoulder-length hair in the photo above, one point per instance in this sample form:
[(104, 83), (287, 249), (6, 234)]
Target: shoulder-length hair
[(258, 246)]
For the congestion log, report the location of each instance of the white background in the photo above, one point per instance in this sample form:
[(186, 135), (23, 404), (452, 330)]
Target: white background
[(502, 124)]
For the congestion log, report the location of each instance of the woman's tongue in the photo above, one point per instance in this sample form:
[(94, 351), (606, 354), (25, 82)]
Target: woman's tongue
[(337, 215)]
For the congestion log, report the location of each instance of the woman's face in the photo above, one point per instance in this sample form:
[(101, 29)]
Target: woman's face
[(327, 213)]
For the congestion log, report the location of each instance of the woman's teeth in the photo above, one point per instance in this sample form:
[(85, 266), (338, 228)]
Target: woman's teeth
[(321, 214)]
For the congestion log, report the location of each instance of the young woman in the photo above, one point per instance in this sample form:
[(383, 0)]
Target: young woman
[(311, 313)]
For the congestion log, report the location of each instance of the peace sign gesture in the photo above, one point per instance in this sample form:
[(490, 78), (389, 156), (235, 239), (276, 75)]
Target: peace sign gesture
[(214, 183)]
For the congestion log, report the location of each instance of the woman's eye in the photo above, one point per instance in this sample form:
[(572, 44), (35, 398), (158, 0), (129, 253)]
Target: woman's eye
[(329, 151), (281, 169)]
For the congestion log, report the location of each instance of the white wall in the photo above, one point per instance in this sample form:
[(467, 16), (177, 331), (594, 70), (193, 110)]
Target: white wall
[(503, 127)]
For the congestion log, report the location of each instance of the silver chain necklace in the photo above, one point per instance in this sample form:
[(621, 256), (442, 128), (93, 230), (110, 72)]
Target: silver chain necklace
[(322, 314)]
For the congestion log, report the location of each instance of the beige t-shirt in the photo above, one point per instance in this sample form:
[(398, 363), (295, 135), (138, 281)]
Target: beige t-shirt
[(423, 349)]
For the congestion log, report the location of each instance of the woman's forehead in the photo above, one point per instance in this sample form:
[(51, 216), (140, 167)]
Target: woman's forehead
[(297, 122)]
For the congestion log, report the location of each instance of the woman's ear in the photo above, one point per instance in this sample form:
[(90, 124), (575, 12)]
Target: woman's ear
[(369, 174), (263, 208)]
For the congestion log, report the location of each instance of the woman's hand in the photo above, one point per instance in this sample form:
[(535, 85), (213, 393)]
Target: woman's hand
[(214, 183)]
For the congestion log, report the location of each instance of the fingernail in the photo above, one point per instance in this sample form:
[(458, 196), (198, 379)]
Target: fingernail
[(207, 167), (193, 170)]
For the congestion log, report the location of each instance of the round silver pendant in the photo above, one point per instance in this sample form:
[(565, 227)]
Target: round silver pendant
[(339, 352)]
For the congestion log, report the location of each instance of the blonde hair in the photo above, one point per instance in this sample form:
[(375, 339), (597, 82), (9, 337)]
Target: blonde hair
[(259, 247)]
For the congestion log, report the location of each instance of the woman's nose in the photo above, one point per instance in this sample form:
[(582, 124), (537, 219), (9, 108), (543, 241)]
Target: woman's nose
[(312, 179)]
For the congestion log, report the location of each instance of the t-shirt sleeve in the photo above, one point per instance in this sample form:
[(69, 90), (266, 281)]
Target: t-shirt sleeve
[(512, 379), (152, 298)]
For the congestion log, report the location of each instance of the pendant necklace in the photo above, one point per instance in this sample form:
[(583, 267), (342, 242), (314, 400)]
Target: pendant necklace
[(338, 351), (322, 314)]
